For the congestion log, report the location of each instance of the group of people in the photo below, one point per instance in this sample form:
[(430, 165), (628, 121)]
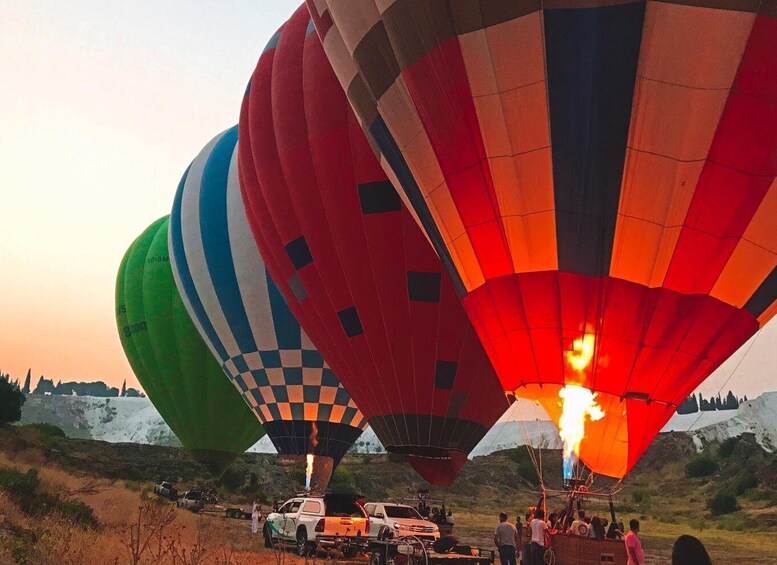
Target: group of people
[(508, 538), (584, 526), (436, 515)]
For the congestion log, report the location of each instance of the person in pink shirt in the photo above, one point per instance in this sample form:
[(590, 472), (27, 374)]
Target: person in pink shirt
[(633, 545)]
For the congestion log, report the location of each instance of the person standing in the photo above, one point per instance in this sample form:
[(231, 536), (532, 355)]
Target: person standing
[(506, 540), (633, 545), (538, 528), (579, 527), (256, 515), (688, 550)]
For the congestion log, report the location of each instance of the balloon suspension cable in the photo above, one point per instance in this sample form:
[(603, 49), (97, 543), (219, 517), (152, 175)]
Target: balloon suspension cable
[(536, 458), (731, 374)]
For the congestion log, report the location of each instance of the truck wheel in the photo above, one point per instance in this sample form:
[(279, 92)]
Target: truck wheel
[(303, 549), (267, 536), (376, 558)]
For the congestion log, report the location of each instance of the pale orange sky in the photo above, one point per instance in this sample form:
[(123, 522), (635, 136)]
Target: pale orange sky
[(103, 105)]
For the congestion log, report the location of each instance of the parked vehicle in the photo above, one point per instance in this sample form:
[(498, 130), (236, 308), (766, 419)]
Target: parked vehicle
[(191, 500), (166, 489), (334, 520), (400, 520), (239, 513)]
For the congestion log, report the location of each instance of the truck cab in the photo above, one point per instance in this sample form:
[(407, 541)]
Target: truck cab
[(400, 520), (191, 500), (166, 489)]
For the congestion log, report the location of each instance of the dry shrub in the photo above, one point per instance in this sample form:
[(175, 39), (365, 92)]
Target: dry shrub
[(134, 529), (145, 538), (63, 543)]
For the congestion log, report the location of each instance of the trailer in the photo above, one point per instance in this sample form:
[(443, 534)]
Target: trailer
[(409, 550)]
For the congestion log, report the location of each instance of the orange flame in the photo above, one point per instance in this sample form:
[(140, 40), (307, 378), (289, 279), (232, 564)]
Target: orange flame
[(577, 402), (309, 470), (582, 353)]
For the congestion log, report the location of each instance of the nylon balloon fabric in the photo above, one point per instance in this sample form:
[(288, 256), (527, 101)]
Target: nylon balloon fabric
[(172, 363), (353, 264), (244, 319), (593, 176)]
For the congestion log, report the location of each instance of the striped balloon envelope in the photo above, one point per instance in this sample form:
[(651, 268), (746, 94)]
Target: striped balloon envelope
[(597, 177), (355, 267), (244, 319)]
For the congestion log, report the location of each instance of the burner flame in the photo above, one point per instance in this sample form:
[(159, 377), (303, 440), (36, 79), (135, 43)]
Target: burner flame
[(309, 470), (577, 405)]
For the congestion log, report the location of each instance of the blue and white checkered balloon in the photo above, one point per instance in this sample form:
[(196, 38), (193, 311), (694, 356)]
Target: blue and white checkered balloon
[(243, 316)]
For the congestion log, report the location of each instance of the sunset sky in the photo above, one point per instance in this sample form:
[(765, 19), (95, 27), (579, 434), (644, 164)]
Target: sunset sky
[(103, 105)]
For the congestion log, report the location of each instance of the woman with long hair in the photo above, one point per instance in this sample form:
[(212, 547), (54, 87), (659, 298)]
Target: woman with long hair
[(688, 550)]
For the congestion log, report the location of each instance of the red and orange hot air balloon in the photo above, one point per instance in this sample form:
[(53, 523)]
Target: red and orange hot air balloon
[(356, 269), (597, 178)]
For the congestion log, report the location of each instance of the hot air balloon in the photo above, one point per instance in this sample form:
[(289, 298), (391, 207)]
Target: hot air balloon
[(597, 178), (354, 266), (244, 319), (172, 363)]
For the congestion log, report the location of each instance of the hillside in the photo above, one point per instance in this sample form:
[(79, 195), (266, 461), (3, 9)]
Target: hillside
[(136, 420), (657, 492), (132, 420)]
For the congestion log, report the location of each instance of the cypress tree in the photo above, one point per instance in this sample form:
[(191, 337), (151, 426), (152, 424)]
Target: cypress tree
[(26, 387)]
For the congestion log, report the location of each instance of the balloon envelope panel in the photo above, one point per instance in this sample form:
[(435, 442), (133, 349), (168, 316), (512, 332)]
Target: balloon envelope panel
[(582, 170), (170, 360), (354, 266), (244, 318)]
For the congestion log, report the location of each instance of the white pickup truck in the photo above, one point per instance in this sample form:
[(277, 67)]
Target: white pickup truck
[(400, 520), (332, 520)]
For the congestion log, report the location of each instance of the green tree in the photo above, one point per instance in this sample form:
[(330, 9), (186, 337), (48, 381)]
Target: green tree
[(26, 389), (11, 400), (342, 482), (688, 406), (723, 503), (700, 466)]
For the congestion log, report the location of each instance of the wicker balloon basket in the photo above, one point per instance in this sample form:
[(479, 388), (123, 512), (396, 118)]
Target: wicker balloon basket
[(567, 549)]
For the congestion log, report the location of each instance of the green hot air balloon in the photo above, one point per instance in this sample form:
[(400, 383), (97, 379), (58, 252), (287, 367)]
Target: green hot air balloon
[(177, 370)]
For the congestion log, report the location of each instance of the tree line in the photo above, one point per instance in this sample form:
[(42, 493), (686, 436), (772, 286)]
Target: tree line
[(96, 388), (695, 403)]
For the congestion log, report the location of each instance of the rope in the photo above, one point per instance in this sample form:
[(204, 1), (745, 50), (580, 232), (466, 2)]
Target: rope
[(731, 374)]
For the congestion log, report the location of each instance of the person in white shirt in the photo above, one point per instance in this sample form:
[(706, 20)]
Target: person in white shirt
[(256, 515), (538, 529), (506, 539), (579, 526)]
